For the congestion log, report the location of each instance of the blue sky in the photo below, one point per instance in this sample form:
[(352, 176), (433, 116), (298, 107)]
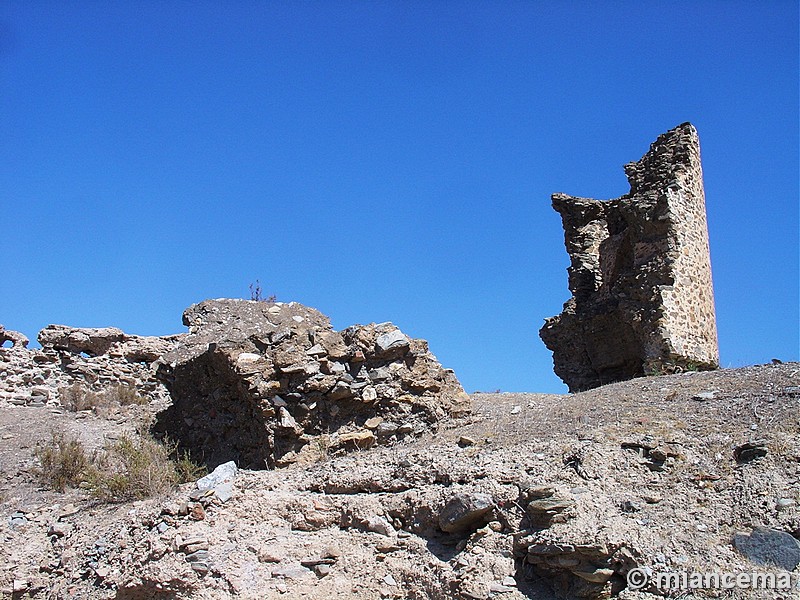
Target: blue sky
[(383, 161)]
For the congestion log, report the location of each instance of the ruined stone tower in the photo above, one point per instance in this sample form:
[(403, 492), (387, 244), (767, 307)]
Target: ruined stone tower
[(640, 275)]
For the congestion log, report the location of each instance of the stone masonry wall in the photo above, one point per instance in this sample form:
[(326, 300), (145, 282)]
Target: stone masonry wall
[(640, 274), (265, 384), (95, 360)]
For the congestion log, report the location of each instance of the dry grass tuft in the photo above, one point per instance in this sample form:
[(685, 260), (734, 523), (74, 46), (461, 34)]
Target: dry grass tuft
[(130, 468), (76, 398), (126, 395), (64, 462)]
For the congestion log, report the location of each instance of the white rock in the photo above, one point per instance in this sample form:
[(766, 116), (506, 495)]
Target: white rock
[(247, 357), (369, 394), (336, 367), (224, 472), (286, 420), (390, 341), (224, 491), (379, 525)]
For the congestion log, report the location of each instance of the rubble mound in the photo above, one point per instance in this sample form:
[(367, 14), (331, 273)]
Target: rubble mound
[(255, 382), (623, 491)]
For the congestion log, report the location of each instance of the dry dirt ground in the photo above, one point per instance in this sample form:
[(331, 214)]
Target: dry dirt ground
[(648, 466)]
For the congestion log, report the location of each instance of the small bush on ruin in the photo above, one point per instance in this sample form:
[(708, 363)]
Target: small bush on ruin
[(64, 462), (76, 398), (185, 467), (125, 395), (257, 294)]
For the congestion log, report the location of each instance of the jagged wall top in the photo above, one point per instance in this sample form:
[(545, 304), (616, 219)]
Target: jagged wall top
[(674, 153)]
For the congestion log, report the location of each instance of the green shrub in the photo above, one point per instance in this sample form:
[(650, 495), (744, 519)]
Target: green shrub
[(185, 467)]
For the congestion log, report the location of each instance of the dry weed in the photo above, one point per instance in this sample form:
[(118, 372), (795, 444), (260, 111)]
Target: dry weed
[(130, 468), (76, 398), (125, 395), (64, 462), (136, 467)]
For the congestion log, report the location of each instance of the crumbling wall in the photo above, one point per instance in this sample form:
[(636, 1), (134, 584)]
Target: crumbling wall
[(256, 382), (17, 339), (640, 274), (95, 359)]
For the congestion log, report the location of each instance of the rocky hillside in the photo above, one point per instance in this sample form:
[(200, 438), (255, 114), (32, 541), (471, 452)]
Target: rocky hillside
[(406, 494)]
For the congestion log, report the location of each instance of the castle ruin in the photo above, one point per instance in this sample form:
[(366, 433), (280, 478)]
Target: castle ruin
[(640, 274)]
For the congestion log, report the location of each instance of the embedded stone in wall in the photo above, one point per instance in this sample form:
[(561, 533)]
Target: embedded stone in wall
[(87, 340), (100, 341), (640, 274)]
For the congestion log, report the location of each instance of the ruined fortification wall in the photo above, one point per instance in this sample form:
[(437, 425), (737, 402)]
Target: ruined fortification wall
[(640, 273), (689, 303), (251, 381), (92, 360)]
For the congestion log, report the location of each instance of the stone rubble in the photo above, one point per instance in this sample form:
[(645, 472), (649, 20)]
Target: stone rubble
[(404, 521), (769, 547), (465, 512)]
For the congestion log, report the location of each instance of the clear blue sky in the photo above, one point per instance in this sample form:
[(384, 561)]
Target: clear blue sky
[(383, 161)]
